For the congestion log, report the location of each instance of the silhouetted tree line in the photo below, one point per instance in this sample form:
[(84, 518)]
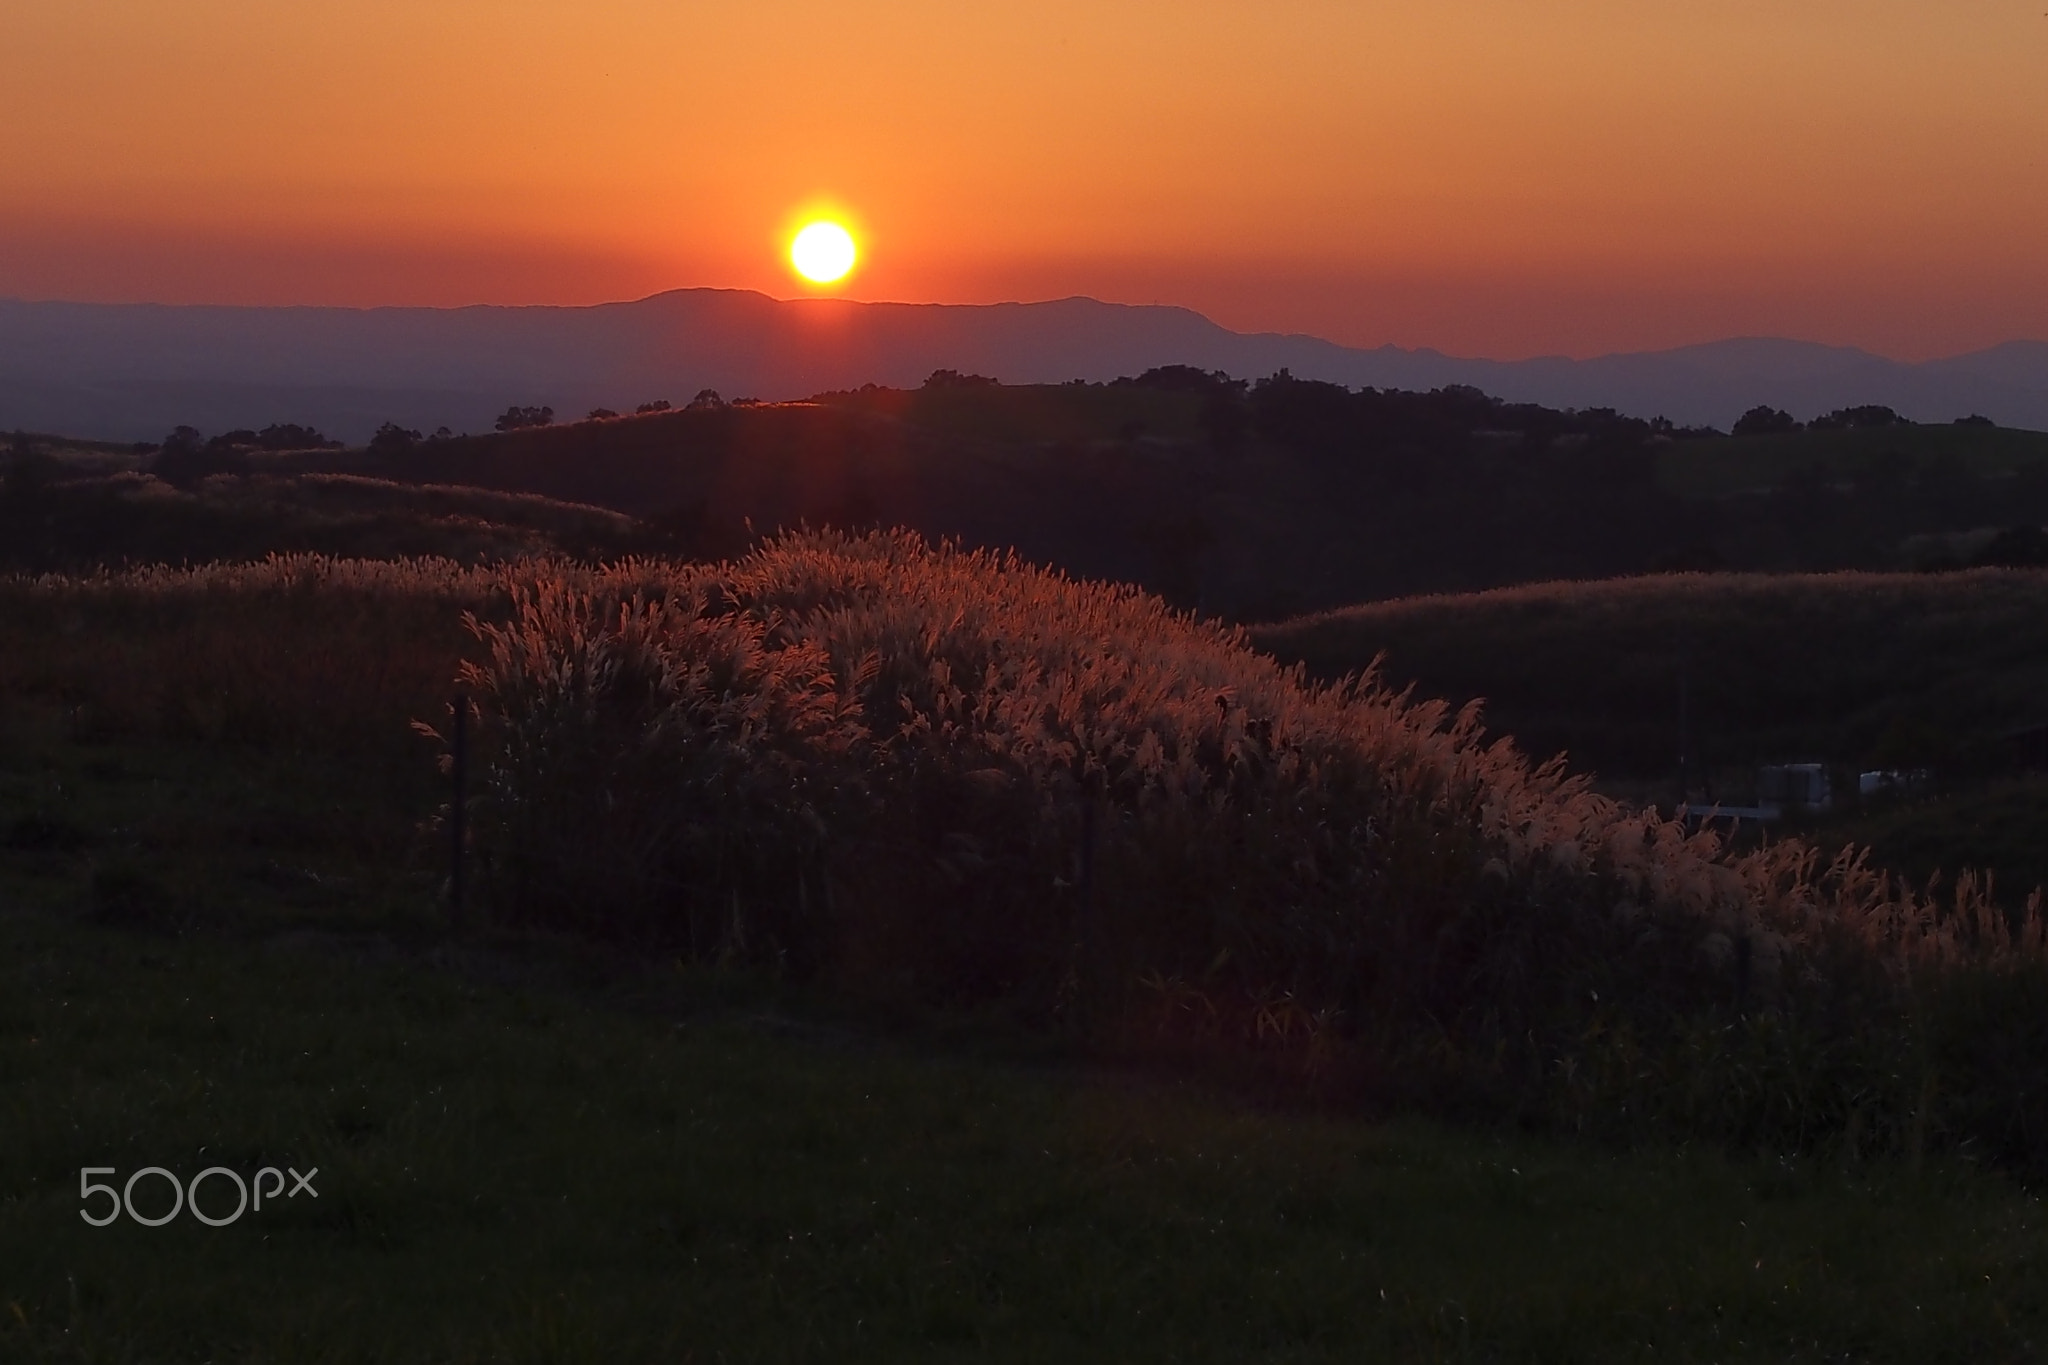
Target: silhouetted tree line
[(1670, 430), (1183, 379), (393, 439), (1765, 420), (1443, 422), (1295, 494), (1869, 415), (521, 419), (1456, 488), (1224, 418), (187, 455), (278, 436)]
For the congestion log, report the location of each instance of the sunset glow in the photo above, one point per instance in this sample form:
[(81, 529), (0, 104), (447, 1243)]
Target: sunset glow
[(823, 252), (1486, 178)]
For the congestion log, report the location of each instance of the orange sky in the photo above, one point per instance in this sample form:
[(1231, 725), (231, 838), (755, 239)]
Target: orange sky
[(1485, 176)]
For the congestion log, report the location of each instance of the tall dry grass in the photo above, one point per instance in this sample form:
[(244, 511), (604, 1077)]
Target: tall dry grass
[(309, 652), (953, 777)]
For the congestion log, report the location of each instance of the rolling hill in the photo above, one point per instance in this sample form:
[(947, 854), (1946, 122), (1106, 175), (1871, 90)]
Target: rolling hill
[(1855, 669), (131, 372), (1259, 503)]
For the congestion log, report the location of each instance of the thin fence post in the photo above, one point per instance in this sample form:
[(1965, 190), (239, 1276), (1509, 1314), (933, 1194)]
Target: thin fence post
[(458, 804)]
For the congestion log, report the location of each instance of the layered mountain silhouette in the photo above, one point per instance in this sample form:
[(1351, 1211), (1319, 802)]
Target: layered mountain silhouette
[(132, 371)]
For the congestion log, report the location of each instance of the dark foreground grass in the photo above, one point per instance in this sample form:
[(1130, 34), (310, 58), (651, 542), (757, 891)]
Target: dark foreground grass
[(536, 1173), (2001, 825), (529, 1153)]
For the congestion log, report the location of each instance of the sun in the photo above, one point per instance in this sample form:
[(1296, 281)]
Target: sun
[(823, 252)]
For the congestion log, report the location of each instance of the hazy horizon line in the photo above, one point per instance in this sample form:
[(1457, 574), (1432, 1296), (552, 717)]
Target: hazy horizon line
[(1027, 303)]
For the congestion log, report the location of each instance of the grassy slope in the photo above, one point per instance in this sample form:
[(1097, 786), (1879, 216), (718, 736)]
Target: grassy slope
[(123, 517), (1126, 483), (530, 1153), (1091, 478), (1778, 667), (1857, 670)]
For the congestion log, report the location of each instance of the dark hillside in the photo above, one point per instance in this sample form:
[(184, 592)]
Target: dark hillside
[(1740, 464), (1267, 499), (1249, 500), (701, 477), (1947, 671), (89, 521), (1254, 501), (128, 372)]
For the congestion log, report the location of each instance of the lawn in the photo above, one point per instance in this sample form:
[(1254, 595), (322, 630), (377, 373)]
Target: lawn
[(534, 1151)]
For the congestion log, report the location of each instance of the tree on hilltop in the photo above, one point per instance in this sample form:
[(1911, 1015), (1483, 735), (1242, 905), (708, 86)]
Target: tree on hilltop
[(393, 439), (1182, 379), (523, 419), (1764, 420), (292, 436), (182, 439), (1869, 415), (186, 457), (953, 379)]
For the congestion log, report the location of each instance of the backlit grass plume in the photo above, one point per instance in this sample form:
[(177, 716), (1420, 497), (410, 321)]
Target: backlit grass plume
[(950, 779), (954, 777)]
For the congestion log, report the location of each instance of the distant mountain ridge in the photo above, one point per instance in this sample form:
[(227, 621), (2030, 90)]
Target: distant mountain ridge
[(132, 371)]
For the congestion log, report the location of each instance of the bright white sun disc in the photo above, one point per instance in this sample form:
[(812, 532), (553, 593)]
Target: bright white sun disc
[(822, 252)]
